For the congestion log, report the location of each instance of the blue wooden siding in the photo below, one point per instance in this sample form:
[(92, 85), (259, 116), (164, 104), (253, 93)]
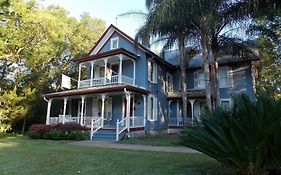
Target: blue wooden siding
[(141, 63)]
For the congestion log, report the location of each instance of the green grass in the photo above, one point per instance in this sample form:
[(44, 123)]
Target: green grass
[(19, 155), (155, 140)]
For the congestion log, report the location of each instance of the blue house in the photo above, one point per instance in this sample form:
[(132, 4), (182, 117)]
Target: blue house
[(123, 87)]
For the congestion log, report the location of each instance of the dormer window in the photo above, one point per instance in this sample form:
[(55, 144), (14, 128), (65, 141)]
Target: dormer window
[(114, 43)]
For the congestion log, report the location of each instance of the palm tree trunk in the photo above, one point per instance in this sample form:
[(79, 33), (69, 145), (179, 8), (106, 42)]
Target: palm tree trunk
[(216, 78), (183, 77), (206, 52)]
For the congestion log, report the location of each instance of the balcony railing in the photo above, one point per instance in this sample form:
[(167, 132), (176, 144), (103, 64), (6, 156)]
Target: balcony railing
[(103, 81)]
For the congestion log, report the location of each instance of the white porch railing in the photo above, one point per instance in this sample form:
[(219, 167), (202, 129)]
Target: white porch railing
[(127, 80), (180, 122), (88, 120), (121, 126), (101, 81), (96, 125), (53, 120), (136, 121), (85, 83)]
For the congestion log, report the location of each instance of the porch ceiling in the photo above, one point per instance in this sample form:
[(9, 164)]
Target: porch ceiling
[(107, 54), (77, 92)]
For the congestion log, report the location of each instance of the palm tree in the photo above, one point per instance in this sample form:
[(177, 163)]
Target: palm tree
[(165, 20)]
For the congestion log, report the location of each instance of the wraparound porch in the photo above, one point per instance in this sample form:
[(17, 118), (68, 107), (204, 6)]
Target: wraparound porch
[(115, 110)]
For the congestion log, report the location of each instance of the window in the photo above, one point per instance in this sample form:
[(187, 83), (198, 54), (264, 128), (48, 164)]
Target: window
[(152, 72), (223, 77), (114, 43), (225, 104), (152, 108), (169, 82), (199, 80)]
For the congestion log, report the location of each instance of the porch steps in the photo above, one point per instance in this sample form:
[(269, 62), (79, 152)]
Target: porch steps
[(106, 135)]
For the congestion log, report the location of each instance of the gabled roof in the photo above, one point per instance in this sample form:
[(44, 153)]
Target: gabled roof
[(107, 54), (110, 31)]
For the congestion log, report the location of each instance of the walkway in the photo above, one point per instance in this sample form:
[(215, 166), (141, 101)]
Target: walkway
[(134, 147)]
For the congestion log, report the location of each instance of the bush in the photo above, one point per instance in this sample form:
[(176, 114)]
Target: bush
[(246, 137), (68, 131)]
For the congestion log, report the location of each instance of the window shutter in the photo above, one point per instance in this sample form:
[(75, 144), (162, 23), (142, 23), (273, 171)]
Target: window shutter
[(195, 80), (230, 77)]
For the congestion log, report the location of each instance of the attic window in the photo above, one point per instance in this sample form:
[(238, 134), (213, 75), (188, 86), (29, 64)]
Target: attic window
[(114, 43)]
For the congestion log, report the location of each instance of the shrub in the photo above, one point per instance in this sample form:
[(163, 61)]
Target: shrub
[(68, 131), (246, 137)]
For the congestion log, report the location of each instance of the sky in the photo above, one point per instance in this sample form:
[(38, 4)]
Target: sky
[(107, 10)]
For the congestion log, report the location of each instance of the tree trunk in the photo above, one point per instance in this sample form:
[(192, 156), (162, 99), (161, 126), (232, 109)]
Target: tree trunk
[(206, 52), (216, 78), (183, 77)]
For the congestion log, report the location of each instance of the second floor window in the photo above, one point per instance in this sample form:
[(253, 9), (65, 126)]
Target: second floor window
[(223, 77), (152, 72), (114, 43), (199, 80), (169, 82)]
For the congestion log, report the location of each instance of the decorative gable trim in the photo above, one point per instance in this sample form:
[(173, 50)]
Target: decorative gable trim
[(108, 34)]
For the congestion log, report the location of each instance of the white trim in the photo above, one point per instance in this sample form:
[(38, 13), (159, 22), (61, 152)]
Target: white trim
[(196, 79), (115, 39), (154, 71), (169, 86), (102, 42), (152, 107), (226, 100)]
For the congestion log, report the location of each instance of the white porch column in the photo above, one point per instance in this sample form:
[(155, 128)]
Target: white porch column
[(128, 99), (134, 62), (92, 72), (82, 110), (191, 101), (48, 112), (105, 70), (79, 75), (144, 110), (64, 109), (120, 68), (102, 106)]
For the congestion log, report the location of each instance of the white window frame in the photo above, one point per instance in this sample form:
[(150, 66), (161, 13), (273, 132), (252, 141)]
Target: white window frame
[(152, 108), (154, 71), (169, 85), (227, 100), (116, 39), (196, 79), (229, 77)]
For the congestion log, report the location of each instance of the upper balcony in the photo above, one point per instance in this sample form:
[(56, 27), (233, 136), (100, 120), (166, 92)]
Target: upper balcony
[(107, 69), (104, 81)]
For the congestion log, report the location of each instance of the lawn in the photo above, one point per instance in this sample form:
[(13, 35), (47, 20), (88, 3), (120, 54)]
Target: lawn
[(19, 155), (155, 140)]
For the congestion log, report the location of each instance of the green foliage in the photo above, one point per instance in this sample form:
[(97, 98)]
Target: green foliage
[(68, 131), (27, 156), (246, 137), (37, 45), (12, 107)]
